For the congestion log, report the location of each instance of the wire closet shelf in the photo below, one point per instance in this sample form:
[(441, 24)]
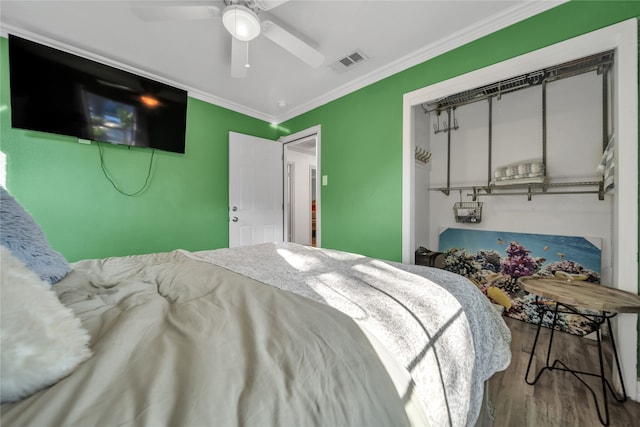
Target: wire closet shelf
[(600, 63)]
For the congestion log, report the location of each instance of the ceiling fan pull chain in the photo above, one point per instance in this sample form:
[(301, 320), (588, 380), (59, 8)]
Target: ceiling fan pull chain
[(246, 64)]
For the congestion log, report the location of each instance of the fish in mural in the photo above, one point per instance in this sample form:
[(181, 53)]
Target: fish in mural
[(569, 277)]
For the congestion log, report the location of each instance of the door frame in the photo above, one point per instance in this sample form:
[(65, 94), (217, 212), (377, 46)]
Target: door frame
[(289, 199), (304, 134)]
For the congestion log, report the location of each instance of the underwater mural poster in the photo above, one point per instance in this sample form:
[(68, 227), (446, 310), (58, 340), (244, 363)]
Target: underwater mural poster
[(495, 260)]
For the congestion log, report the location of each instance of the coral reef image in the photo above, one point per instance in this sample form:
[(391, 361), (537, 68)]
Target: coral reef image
[(494, 261)]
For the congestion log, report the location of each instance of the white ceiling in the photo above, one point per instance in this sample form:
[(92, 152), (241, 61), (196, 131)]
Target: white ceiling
[(195, 54)]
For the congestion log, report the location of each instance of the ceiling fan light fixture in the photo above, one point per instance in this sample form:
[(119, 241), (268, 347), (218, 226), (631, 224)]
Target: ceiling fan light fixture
[(241, 22)]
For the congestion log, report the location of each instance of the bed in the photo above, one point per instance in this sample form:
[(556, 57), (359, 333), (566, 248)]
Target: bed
[(273, 334)]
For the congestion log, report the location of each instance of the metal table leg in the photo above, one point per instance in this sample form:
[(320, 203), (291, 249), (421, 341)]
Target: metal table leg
[(597, 321)]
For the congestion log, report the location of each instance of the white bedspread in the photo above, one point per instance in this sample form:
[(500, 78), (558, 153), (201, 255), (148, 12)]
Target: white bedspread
[(436, 323)]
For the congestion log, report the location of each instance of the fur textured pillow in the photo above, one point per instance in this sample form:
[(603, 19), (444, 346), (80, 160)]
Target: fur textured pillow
[(42, 341), (20, 233)]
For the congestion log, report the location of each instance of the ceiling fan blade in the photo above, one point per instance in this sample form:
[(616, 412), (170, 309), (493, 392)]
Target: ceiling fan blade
[(269, 4), (239, 56), (176, 12), (293, 44)]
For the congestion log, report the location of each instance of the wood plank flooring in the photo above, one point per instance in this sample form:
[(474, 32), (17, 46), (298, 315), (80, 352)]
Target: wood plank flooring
[(558, 398)]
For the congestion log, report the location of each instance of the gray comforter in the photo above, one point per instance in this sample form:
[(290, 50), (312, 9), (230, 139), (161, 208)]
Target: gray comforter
[(181, 342), (437, 324), (201, 339)]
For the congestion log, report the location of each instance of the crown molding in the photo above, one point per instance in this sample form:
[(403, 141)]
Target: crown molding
[(6, 29), (230, 105), (480, 29)]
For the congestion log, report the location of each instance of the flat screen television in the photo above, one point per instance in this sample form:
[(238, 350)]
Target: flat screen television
[(58, 92)]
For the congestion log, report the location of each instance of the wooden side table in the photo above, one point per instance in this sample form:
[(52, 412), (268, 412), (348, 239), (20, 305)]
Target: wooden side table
[(604, 301)]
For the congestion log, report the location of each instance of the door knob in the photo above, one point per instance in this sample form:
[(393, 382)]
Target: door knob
[(234, 208), (234, 219)]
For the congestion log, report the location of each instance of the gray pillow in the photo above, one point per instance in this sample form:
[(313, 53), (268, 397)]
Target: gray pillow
[(25, 239)]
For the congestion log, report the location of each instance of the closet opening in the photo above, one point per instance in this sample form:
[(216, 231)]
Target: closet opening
[(518, 136)]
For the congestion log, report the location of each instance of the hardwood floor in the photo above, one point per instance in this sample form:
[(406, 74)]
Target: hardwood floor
[(558, 398)]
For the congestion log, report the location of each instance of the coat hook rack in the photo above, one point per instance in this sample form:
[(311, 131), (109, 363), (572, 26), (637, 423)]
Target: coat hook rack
[(446, 127), (422, 155)]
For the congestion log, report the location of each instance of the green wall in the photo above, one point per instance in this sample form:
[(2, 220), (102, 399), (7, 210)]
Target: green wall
[(362, 132), (62, 185)]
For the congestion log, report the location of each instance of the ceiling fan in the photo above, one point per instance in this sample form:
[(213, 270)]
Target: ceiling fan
[(240, 18)]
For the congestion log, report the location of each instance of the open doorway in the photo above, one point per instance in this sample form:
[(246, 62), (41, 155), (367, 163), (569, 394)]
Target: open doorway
[(301, 193), (312, 174)]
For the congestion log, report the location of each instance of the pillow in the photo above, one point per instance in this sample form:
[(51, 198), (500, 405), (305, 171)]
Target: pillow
[(41, 340), (23, 236)]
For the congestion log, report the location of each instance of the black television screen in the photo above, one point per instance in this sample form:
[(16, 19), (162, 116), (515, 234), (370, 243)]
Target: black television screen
[(58, 92)]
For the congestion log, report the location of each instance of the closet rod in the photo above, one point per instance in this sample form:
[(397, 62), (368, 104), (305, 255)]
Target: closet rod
[(516, 187), (533, 193), (529, 194)]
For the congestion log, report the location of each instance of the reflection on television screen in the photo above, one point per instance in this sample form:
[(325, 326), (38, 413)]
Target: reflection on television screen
[(111, 121)]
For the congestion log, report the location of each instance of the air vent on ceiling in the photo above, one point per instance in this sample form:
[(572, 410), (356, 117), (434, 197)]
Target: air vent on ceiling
[(354, 58)]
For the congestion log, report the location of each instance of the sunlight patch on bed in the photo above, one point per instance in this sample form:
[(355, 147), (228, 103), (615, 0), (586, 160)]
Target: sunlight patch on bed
[(343, 256), (325, 286), (384, 271), (299, 261), (451, 316)]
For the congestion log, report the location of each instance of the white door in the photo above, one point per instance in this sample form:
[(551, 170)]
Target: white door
[(255, 190)]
